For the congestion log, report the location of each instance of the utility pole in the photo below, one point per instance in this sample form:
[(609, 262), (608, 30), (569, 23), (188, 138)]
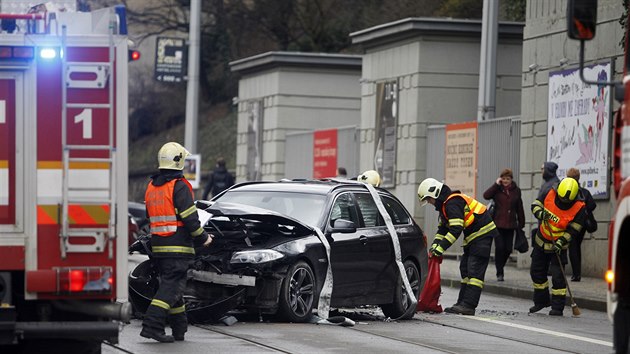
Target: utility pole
[(488, 61), (192, 92)]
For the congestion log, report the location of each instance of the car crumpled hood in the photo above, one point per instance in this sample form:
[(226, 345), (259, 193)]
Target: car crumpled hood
[(258, 214)]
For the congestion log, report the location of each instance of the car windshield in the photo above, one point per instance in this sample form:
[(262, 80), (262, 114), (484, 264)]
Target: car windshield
[(306, 208)]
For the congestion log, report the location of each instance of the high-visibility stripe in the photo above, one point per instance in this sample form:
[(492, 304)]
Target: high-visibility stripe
[(541, 286), (465, 280), (476, 282), (455, 222), (439, 237), (155, 230), (163, 218), (188, 211), (197, 232), (4, 163), (482, 231), (560, 292), (76, 165), (160, 303), (176, 310), (450, 238), (173, 249), (77, 214), (545, 245)]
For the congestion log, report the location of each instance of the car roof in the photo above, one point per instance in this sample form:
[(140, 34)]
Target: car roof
[(321, 186)]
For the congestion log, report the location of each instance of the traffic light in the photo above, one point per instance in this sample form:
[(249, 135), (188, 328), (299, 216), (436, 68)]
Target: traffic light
[(133, 55)]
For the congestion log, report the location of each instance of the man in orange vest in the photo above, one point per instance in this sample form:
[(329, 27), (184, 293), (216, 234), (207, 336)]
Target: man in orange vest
[(175, 229), (461, 213), (562, 215)]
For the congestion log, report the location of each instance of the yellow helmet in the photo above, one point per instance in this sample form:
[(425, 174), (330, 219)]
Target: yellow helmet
[(172, 156), (568, 189), (429, 188), (370, 177)]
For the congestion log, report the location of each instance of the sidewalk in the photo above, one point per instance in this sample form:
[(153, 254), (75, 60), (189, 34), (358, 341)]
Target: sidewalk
[(589, 293)]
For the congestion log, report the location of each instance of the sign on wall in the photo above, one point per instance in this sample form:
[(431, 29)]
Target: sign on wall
[(578, 125), (385, 132), (192, 170), (169, 59), (254, 139), (460, 161), (325, 153)]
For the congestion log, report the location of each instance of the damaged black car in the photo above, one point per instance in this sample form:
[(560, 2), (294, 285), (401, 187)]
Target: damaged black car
[(274, 242)]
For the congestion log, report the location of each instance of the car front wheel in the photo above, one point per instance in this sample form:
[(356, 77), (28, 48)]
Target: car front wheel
[(401, 300), (297, 293)]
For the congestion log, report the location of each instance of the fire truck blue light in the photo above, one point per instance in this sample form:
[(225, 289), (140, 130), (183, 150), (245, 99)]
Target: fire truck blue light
[(48, 53)]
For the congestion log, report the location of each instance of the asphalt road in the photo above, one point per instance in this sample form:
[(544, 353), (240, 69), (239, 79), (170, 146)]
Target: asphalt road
[(502, 325)]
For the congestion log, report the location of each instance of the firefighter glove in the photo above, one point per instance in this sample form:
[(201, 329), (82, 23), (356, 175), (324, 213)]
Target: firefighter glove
[(560, 244), (436, 250)]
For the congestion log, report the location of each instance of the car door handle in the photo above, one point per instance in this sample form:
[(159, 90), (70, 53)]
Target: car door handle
[(363, 239)]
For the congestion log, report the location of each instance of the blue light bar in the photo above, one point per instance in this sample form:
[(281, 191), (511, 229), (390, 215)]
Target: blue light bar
[(47, 53)]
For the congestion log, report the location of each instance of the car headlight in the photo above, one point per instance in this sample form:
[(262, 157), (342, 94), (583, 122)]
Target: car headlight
[(255, 257)]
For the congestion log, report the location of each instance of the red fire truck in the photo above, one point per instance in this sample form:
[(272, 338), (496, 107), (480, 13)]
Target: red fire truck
[(581, 25), (63, 178)]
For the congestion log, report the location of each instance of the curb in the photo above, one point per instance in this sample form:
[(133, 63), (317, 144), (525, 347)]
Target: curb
[(526, 293)]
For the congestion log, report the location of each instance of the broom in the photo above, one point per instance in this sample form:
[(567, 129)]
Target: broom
[(574, 306)]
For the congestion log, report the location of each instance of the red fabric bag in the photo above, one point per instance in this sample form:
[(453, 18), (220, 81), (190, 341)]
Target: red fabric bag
[(430, 296)]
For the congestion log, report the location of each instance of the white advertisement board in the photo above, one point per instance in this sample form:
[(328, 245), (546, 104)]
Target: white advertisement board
[(578, 125)]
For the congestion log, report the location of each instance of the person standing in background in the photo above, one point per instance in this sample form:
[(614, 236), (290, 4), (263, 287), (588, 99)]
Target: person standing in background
[(509, 215), (575, 247), (549, 177), (219, 180)]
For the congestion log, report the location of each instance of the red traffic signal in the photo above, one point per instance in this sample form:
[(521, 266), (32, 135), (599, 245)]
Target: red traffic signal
[(134, 55)]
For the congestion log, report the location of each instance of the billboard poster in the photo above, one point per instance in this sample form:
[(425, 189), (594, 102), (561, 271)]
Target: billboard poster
[(192, 170), (254, 139), (578, 125), (325, 153), (460, 164), (385, 132)]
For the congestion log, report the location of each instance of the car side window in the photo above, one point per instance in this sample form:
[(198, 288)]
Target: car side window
[(396, 211), (344, 208), (369, 211)]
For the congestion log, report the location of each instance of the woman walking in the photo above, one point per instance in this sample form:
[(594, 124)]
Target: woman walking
[(508, 216)]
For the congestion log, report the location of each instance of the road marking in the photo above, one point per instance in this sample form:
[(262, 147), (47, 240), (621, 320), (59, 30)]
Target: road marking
[(539, 330)]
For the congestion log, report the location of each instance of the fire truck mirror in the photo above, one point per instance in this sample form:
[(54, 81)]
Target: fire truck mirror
[(581, 19)]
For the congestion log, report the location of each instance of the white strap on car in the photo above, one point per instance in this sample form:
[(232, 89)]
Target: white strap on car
[(323, 306), (394, 236)]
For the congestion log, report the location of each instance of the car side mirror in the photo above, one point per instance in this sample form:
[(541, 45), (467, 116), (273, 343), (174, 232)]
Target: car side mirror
[(343, 226)]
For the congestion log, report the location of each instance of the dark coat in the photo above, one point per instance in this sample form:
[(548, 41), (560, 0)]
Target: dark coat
[(509, 212), (219, 180), (549, 176)]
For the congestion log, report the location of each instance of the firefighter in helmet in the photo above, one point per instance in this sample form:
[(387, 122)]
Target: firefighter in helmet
[(562, 215), (370, 177), (459, 213), (175, 230)]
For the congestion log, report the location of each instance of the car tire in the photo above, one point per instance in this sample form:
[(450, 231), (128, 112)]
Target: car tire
[(401, 303), (297, 293), (621, 328)]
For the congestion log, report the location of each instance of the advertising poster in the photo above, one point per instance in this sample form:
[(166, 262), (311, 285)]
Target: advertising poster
[(385, 132), (192, 170), (325, 153), (460, 164), (254, 140), (578, 125)]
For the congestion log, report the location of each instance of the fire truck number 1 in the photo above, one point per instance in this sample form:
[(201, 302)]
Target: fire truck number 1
[(86, 117)]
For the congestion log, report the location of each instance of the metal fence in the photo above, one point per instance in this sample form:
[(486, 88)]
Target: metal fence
[(498, 148)]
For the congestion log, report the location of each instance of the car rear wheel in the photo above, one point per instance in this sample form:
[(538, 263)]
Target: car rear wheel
[(297, 293), (401, 300)]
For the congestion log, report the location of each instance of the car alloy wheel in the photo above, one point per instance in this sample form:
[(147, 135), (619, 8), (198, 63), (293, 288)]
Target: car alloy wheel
[(401, 303), (298, 289)]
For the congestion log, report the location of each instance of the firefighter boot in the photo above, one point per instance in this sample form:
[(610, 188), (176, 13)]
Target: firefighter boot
[(462, 291), (461, 310), (555, 312), (179, 325), (153, 333), (538, 307)]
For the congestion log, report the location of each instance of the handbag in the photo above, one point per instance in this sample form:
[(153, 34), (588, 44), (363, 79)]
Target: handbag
[(429, 300), (491, 208), (591, 224), (520, 242)]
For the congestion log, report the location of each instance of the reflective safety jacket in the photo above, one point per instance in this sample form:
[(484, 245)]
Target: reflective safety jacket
[(173, 216), (461, 213), (555, 221)]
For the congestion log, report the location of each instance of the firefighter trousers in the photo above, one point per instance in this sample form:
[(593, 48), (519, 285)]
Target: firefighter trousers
[(472, 268), (542, 263), (168, 302)]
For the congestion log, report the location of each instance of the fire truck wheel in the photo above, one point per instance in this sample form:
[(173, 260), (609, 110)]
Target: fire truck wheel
[(401, 300), (621, 328), (297, 293)]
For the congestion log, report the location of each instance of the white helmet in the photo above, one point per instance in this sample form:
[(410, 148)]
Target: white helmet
[(370, 177), (172, 156), (429, 188)]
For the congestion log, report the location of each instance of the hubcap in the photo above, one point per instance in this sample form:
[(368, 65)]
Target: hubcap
[(301, 292)]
